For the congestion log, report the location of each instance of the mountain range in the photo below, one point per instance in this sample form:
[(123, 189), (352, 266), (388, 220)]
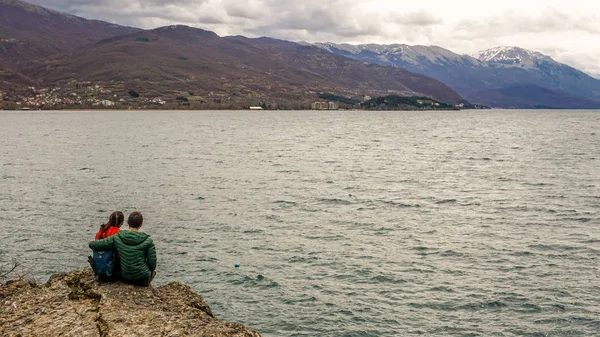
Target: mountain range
[(506, 77), (44, 48), (76, 60)]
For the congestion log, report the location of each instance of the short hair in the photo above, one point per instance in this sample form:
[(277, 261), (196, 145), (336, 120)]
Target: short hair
[(135, 219)]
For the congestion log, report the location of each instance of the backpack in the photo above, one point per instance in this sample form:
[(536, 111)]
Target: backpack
[(103, 264)]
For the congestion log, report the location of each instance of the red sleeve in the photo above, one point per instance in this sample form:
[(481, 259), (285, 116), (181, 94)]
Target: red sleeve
[(98, 236)]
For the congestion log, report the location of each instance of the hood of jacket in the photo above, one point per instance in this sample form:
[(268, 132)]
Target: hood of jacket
[(132, 238)]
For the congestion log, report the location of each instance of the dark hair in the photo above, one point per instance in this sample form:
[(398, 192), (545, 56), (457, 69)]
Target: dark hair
[(114, 220), (135, 219)]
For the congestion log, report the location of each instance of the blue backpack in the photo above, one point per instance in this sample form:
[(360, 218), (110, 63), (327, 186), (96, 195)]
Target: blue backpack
[(103, 264)]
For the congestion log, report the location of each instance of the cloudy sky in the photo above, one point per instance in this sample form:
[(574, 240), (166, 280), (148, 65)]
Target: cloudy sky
[(569, 31)]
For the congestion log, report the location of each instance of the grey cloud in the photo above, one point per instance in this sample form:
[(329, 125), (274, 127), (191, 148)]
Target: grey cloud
[(245, 10), (339, 19), (420, 18), (586, 62), (173, 2), (512, 23), (210, 20), (314, 20), (532, 32), (143, 14)]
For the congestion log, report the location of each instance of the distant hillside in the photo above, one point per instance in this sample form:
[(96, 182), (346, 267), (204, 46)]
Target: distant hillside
[(491, 77), (29, 33), (81, 61), (25, 26), (70, 60), (534, 97)]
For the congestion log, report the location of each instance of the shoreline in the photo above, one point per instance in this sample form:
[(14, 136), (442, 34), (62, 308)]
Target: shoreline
[(295, 110)]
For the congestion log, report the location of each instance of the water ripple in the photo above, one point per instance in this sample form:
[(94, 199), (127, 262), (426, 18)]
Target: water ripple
[(341, 223)]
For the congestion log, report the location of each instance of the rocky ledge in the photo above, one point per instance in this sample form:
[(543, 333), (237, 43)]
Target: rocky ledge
[(74, 304)]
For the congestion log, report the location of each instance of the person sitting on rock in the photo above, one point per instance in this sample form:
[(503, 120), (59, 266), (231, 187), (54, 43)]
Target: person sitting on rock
[(112, 227), (136, 251)]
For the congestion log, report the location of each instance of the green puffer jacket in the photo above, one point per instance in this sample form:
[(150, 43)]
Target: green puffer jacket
[(136, 251)]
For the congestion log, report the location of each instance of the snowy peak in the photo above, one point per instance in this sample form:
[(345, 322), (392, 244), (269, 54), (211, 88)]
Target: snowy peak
[(397, 53), (512, 56), (509, 77), (357, 49)]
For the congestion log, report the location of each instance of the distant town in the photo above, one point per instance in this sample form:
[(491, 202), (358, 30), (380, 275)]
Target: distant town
[(88, 95), (83, 95)]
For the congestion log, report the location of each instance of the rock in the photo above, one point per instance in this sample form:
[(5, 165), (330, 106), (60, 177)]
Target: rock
[(75, 304)]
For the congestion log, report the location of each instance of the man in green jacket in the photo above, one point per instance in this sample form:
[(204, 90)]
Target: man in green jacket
[(135, 249)]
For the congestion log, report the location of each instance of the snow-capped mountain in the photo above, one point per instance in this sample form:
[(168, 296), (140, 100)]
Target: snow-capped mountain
[(502, 77), (512, 56), (394, 53)]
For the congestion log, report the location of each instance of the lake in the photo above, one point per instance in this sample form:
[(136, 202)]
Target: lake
[(344, 223)]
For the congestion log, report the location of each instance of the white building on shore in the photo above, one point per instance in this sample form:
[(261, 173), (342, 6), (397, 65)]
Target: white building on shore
[(325, 106)]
